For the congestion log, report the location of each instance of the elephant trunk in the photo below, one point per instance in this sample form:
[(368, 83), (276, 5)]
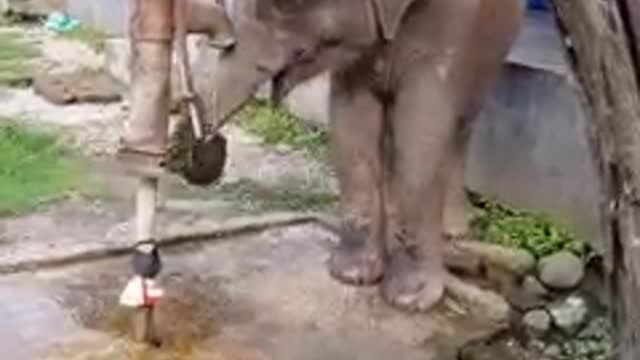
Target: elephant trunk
[(242, 70), (234, 87)]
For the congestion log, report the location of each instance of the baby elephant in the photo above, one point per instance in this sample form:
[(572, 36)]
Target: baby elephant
[(408, 78)]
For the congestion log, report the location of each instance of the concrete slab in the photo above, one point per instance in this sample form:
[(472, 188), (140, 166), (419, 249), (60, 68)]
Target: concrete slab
[(83, 229), (540, 45), (260, 296)]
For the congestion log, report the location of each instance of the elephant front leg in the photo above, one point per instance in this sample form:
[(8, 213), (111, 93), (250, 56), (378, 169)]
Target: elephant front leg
[(423, 132), (356, 128)]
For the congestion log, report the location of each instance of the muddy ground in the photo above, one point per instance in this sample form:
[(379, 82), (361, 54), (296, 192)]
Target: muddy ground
[(264, 295)]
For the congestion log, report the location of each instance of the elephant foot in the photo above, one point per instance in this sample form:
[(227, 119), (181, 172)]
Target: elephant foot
[(456, 234), (411, 284), (357, 266), (456, 226)]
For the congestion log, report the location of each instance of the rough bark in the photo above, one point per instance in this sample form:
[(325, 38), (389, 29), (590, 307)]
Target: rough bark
[(603, 50)]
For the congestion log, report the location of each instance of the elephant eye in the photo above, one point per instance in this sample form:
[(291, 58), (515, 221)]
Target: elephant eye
[(299, 53), (331, 42)]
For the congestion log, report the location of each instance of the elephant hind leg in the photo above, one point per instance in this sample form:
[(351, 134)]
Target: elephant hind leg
[(356, 132), (456, 209), (423, 130)]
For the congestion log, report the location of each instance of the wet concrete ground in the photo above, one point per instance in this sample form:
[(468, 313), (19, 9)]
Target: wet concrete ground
[(261, 296)]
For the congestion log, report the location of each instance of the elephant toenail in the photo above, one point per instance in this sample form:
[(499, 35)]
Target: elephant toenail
[(405, 300), (351, 274)]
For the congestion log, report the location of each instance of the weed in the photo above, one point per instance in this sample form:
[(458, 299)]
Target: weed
[(36, 167), (16, 59), (275, 126), (537, 233)]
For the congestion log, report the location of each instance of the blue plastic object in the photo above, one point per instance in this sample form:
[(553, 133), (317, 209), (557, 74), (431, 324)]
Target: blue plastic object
[(538, 5), (61, 22)]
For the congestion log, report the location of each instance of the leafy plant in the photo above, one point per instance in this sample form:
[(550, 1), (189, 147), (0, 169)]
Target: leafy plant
[(275, 126), (537, 233), (592, 343)]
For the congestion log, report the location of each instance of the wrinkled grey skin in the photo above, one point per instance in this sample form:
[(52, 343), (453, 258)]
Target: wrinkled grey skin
[(408, 78)]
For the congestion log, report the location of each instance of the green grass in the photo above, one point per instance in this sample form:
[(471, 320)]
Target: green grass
[(94, 38), (275, 126), (537, 233), (16, 59), (254, 197), (36, 168)]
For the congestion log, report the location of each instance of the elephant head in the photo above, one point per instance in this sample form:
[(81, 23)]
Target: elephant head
[(205, 17), (290, 41)]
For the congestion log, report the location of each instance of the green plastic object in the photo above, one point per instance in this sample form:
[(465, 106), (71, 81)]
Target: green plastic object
[(61, 22)]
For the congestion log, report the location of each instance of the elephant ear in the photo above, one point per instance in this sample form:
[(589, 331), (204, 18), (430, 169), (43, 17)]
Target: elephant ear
[(390, 14)]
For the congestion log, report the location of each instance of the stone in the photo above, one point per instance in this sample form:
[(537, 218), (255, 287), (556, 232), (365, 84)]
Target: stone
[(462, 262), (561, 271), (537, 323), (569, 314), (522, 301), (529, 295), (518, 261), (79, 86), (482, 302), (501, 279), (552, 351), (533, 287)]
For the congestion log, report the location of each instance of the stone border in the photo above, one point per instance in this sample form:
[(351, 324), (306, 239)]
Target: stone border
[(216, 233)]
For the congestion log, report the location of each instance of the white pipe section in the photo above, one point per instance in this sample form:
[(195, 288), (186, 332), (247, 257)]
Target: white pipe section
[(146, 197)]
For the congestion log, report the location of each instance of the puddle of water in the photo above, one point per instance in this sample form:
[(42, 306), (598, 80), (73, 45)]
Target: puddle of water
[(189, 315)]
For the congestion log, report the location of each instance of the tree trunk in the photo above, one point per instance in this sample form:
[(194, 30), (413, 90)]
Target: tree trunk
[(603, 43)]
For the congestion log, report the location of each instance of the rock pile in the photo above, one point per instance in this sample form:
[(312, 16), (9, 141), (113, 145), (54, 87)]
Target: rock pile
[(550, 310)]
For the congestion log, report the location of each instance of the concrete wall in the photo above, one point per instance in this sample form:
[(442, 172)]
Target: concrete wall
[(529, 148), (110, 16)]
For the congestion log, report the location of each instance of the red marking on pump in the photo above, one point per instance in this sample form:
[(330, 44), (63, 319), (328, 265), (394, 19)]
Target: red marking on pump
[(148, 301)]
